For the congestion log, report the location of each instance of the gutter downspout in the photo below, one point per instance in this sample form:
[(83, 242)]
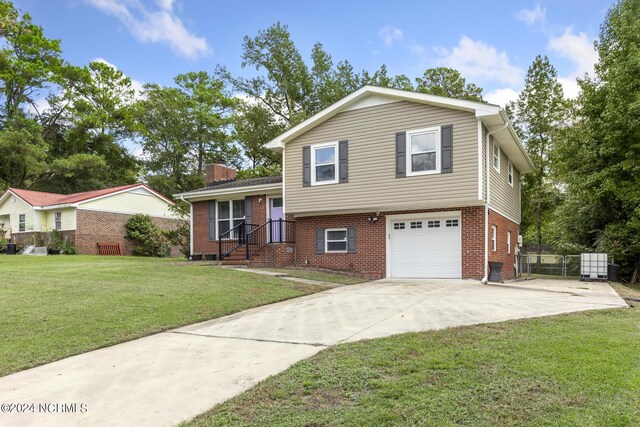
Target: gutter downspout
[(190, 225), (485, 279)]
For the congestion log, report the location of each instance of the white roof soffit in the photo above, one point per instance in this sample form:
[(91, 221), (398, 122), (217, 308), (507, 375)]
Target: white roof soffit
[(245, 191)]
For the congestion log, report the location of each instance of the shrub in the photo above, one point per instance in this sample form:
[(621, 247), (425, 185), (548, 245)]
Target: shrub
[(146, 234), (3, 237), (181, 237)]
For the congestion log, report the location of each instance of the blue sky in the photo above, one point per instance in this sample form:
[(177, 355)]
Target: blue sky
[(491, 43)]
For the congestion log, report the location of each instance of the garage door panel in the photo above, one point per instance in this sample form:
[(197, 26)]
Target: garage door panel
[(425, 251)]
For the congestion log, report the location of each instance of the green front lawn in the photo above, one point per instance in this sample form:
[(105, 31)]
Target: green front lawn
[(576, 369), (56, 306)]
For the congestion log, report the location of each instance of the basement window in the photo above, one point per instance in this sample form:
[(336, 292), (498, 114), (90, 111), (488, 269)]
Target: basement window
[(335, 240)]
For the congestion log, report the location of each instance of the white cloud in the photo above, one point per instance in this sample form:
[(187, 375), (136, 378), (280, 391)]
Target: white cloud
[(159, 26), (136, 85), (390, 34), (39, 106), (478, 60), (537, 15), (501, 96), (577, 48)]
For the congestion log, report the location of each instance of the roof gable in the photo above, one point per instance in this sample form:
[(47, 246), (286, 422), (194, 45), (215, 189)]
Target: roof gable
[(43, 199), (492, 116)]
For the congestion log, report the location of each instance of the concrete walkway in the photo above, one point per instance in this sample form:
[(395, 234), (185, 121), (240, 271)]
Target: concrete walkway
[(173, 376)]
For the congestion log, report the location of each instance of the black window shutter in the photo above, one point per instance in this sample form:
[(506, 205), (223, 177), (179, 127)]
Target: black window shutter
[(446, 149), (212, 220), (319, 240), (248, 211), (306, 166), (343, 156), (351, 240), (401, 154)]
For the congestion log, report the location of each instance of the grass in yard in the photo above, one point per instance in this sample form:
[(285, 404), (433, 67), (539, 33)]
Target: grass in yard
[(56, 306), (578, 369), (321, 276)]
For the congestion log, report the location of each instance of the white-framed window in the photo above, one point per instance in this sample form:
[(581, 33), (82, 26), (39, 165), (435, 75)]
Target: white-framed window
[(433, 224), (508, 242), (58, 220), (398, 225), (416, 224), (494, 236), (423, 151), (22, 222), (230, 213), (496, 157), (335, 240), (510, 173), (452, 223), (324, 163)]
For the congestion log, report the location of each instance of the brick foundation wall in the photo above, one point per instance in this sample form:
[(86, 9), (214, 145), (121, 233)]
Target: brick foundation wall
[(97, 226), (370, 257), (201, 242), (500, 255)]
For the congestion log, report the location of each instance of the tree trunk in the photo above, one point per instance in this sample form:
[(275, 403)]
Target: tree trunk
[(636, 272)]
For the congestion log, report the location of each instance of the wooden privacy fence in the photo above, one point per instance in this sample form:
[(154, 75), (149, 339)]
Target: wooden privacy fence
[(106, 248)]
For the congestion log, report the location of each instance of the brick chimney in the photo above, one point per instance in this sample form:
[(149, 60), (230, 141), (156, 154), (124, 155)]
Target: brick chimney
[(217, 174)]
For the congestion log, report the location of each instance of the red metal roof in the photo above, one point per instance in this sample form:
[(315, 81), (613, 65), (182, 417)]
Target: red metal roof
[(42, 199)]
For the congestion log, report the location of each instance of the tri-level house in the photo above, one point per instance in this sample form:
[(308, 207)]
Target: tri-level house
[(384, 183)]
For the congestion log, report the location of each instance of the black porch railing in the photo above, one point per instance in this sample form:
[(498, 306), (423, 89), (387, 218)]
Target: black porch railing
[(272, 231), (231, 240)]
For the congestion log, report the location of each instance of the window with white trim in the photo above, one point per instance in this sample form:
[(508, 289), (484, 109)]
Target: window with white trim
[(416, 224), (423, 151), (398, 226), (335, 240), (496, 157), (494, 236), (433, 224), (508, 242), (324, 163), (510, 173), (452, 223), (22, 222), (58, 220), (230, 214)]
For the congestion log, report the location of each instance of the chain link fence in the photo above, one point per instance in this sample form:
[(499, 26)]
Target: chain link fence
[(551, 265)]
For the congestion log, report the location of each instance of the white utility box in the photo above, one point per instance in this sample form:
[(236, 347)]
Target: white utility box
[(593, 267)]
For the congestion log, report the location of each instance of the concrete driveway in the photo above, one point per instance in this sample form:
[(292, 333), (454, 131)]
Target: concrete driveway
[(173, 376)]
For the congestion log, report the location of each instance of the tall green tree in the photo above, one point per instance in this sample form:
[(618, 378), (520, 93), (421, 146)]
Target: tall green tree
[(253, 127), (30, 64), (182, 128), (448, 82), (600, 160), (540, 113)]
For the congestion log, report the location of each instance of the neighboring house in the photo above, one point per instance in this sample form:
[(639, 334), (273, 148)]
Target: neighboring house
[(385, 183), (85, 218)]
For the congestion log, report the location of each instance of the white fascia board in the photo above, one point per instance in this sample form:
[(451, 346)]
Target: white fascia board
[(478, 107), (204, 195)]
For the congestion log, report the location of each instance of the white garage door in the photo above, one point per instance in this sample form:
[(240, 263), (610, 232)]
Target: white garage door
[(425, 247)]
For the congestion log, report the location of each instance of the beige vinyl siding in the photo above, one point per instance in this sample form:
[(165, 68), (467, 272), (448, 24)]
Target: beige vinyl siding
[(68, 219), (372, 163), (504, 197), (14, 209), (131, 202)]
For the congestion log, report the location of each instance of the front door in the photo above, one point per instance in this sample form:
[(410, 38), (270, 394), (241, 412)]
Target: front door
[(276, 214)]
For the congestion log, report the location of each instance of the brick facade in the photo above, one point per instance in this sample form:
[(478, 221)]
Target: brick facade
[(201, 242), (370, 257), (503, 225), (98, 226)]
